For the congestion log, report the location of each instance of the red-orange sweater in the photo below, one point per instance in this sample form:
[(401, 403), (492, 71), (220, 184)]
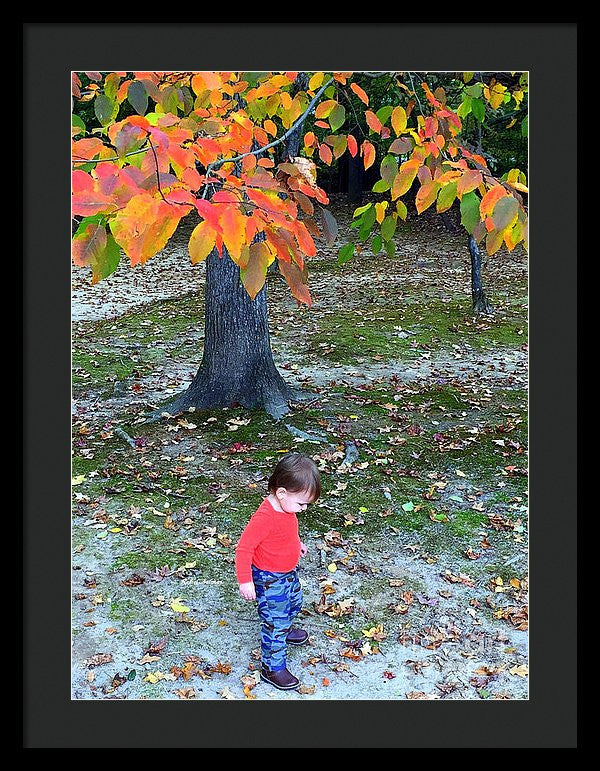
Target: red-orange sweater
[(270, 541)]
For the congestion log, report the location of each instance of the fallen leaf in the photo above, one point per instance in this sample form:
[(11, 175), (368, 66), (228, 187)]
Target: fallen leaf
[(178, 607), (98, 659), (186, 693)]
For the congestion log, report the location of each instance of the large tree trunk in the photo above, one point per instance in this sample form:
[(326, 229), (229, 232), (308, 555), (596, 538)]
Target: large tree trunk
[(237, 364), (480, 301)]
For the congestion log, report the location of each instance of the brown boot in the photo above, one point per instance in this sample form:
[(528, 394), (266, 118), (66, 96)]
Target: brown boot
[(281, 679), (296, 637)]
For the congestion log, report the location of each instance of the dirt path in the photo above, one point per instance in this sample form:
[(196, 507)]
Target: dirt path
[(415, 582)]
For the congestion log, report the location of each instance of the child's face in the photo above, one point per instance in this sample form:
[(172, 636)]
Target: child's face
[(293, 502)]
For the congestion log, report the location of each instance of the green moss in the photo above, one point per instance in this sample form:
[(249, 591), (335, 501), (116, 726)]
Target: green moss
[(401, 332), (467, 522), (124, 610)]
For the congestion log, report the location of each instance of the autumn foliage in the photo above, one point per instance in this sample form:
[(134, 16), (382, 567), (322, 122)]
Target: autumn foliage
[(173, 143)]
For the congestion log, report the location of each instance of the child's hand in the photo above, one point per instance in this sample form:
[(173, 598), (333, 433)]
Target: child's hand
[(248, 591), (303, 549)]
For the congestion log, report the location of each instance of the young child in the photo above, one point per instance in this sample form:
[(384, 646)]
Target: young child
[(266, 560)]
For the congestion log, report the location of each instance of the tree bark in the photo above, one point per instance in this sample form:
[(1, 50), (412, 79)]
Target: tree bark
[(480, 301), (237, 365)]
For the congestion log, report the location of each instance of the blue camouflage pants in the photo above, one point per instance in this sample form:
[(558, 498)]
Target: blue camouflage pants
[(279, 597)]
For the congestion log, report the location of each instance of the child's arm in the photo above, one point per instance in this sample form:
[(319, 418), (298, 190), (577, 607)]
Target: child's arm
[(255, 531)]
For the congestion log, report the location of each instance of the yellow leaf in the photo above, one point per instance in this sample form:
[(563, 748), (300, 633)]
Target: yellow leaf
[(178, 607), (202, 242), (78, 480), (521, 670), (332, 567), (316, 81), (380, 214), (398, 119)]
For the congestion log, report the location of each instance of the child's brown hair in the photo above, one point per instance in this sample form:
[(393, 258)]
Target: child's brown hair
[(296, 473)]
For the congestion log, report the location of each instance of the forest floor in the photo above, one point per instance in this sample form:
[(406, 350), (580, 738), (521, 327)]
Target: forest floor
[(415, 583)]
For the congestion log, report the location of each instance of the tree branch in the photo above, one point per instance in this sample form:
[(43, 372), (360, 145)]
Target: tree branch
[(276, 142)]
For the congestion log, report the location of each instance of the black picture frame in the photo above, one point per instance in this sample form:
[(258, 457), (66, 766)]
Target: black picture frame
[(548, 51)]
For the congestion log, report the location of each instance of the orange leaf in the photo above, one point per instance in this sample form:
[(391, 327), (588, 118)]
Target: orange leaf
[(359, 93), (309, 139), (266, 163), (491, 198), (352, 145), (254, 274), (325, 154), (143, 227), (324, 109), (427, 195), (89, 244), (404, 178), (234, 230), (468, 182), (373, 121), (270, 128), (305, 242), (293, 276), (368, 152)]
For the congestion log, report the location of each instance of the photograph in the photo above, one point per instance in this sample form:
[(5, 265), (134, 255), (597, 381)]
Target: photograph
[(299, 385)]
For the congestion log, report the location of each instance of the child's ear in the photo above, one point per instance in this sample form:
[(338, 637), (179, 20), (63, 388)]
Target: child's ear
[(280, 491)]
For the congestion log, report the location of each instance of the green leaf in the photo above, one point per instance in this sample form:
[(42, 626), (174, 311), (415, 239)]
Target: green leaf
[(345, 253), (389, 169), (337, 117), (108, 261), (252, 78), (483, 693), (365, 231), (408, 506), (474, 91), (137, 97), (132, 674), (525, 126), (505, 212), (478, 109), (377, 244), (401, 209), (384, 113), (446, 197), (369, 216), (390, 248), (170, 100), (388, 227), (76, 121), (111, 85), (381, 186), (467, 76), (105, 109), (95, 219), (469, 211), (361, 209), (330, 92), (465, 107)]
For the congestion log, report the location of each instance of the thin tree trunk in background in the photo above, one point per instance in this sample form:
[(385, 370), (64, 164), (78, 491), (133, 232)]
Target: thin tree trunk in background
[(480, 301)]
